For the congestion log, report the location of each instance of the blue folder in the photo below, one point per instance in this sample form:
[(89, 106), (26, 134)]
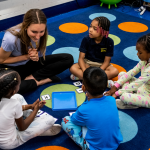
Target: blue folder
[(64, 101)]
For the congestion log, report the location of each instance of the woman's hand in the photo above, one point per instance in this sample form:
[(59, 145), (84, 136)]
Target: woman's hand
[(33, 54), (111, 91)]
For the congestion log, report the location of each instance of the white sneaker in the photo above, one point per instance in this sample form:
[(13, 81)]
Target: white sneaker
[(121, 105), (110, 83), (73, 77), (54, 130), (142, 12)]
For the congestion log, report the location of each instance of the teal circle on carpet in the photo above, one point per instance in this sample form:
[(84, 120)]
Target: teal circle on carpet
[(80, 97), (131, 53), (107, 15), (1, 34), (74, 51), (128, 127)]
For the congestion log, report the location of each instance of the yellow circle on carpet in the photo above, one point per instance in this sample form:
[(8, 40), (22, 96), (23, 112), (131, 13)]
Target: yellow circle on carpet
[(120, 69), (80, 97), (52, 148), (50, 40), (115, 38), (134, 27), (73, 28)]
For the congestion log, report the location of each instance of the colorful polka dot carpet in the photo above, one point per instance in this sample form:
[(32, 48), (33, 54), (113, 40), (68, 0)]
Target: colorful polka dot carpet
[(65, 34)]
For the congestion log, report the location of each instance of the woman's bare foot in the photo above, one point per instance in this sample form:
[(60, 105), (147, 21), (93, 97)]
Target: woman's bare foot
[(41, 82)]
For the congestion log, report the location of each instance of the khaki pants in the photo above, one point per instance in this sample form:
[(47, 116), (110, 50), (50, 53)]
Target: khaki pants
[(93, 64)]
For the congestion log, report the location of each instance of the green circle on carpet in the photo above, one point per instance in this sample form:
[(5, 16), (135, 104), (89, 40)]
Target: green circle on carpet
[(61, 88), (50, 40), (115, 38)]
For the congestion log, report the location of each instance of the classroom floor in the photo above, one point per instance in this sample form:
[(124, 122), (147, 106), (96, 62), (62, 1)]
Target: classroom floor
[(134, 124)]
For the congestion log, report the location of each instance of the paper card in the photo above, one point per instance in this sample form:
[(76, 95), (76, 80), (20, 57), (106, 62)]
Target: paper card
[(77, 83), (71, 113), (79, 90), (45, 97)]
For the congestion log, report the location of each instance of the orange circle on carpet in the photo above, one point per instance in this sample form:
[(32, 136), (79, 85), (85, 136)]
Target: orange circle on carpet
[(52, 148), (73, 28), (133, 27), (120, 69)]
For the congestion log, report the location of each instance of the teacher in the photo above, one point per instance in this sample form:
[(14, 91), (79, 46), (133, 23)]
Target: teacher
[(23, 49)]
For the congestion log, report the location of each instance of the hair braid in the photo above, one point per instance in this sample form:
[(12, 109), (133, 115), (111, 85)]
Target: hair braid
[(8, 81), (145, 41), (103, 22)]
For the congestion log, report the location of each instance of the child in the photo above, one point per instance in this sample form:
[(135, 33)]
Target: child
[(95, 50), (11, 113), (98, 114), (135, 92)]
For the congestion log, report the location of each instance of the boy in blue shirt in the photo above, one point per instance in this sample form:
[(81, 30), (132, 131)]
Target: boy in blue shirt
[(96, 50), (98, 114)]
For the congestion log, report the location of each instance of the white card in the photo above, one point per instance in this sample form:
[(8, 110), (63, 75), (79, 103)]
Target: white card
[(71, 113), (45, 97), (79, 90), (77, 83)]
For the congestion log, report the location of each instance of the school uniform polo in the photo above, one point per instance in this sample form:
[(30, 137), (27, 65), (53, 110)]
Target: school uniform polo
[(97, 52)]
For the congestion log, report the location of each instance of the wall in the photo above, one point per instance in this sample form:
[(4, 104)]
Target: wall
[(11, 8), (12, 11)]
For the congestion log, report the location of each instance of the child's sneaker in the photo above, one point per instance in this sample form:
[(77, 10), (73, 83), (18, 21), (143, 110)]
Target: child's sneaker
[(54, 130), (110, 83), (142, 12), (121, 105), (72, 77)]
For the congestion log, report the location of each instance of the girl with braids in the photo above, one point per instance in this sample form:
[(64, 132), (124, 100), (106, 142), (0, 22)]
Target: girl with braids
[(96, 50), (135, 92), (23, 49), (13, 108)]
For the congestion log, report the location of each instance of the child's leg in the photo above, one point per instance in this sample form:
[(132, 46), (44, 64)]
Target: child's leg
[(111, 72), (40, 125), (77, 71), (74, 132), (141, 98)]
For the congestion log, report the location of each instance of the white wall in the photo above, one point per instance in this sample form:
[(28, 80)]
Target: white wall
[(11, 8)]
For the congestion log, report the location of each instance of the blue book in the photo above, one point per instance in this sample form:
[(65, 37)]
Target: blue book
[(64, 101)]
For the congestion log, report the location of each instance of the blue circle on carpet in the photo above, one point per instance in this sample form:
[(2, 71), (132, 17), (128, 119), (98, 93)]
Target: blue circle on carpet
[(1, 34), (107, 15), (128, 127), (131, 53), (70, 50)]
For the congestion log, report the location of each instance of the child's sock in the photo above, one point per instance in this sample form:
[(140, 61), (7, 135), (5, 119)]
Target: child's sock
[(73, 77), (110, 83), (55, 129), (121, 105)]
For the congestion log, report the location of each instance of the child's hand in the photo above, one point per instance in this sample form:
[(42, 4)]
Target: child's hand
[(114, 95), (111, 91), (34, 104), (39, 105)]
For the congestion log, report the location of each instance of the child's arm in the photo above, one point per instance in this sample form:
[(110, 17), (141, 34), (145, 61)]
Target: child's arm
[(123, 79), (106, 62), (29, 106), (23, 124), (81, 61), (130, 74), (77, 118), (133, 86)]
